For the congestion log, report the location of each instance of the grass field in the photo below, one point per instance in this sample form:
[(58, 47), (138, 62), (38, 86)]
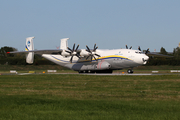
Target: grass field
[(60, 69), (79, 97)]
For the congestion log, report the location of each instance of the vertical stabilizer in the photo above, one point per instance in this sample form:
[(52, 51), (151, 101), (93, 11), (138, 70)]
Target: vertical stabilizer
[(64, 43), (29, 47)]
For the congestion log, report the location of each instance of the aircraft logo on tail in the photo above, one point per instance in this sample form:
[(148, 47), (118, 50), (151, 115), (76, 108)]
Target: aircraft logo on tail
[(28, 43)]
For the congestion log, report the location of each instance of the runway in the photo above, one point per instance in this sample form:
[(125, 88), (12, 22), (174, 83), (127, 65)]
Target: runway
[(105, 74), (136, 74), (99, 74)]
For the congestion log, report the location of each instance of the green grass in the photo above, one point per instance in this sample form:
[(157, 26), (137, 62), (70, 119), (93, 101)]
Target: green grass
[(60, 69), (36, 68), (77, 97)]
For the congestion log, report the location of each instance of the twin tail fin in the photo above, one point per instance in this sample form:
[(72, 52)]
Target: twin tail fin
[(29, 46)]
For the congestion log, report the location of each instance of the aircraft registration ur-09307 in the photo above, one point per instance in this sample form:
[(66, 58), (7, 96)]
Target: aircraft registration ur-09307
[(88, 60)]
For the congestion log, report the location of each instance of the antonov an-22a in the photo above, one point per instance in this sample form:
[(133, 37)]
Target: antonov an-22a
[(88, 60)]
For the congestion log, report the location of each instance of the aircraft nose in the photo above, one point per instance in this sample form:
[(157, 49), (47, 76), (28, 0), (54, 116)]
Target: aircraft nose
[(145, 59)]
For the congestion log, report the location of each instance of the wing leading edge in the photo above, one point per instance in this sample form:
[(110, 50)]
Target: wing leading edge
[(56, 51)]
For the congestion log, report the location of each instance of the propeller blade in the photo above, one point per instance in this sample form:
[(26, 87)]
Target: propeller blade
[(130, 47), (69, 49), (87, 57), (97, 55), (126, 47), (94, 46), (95, 49), (71, 58), (94, 57), (77, 48), (88, 49), (139, 48), (147, 51), (91, 58), (73, 47), (78, 56)]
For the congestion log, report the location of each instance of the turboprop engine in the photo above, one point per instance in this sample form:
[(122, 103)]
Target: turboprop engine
[(84, 53), (90, 53)]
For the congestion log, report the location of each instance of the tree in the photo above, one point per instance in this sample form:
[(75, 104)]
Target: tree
[(176, 53), (5, 49), (163, 51)]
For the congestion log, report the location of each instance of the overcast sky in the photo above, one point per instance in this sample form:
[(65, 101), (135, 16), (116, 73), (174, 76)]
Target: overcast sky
[(111, 24)]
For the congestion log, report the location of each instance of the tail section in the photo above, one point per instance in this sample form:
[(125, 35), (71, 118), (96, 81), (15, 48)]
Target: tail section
[(64, 43), (29, 47)]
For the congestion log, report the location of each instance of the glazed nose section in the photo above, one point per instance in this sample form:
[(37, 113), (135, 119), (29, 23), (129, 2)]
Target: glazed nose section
[(145, 59)]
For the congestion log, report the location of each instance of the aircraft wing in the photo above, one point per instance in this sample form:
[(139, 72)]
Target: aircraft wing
[(156, 54), (55, 51)]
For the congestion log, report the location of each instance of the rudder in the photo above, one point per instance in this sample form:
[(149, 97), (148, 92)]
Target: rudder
[(29, 46), (64, 43)]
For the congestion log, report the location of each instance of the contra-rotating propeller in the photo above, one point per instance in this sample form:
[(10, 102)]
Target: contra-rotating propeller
[(73, 52), (145, 51), (92, 53), (127, 47)]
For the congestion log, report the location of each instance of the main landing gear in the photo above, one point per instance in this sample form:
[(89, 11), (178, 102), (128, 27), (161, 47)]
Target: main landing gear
[(96, 71), (130, 71)]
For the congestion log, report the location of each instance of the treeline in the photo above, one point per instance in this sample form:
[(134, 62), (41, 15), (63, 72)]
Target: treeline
[(20, 59), (173, 59)]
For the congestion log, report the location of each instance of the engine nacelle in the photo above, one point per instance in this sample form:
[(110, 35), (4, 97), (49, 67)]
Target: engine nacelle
[(84, 53), (64, 53)]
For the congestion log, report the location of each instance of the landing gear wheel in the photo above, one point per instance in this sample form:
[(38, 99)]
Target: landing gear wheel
[(80, 71), (130, 71)]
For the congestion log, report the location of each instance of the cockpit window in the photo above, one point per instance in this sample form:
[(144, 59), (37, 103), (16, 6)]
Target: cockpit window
[(138, 52)]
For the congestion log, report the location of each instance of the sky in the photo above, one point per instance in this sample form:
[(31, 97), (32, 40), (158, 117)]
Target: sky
[(111, 24)]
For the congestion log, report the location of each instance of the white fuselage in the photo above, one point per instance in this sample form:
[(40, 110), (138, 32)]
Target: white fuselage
[(110, 59)]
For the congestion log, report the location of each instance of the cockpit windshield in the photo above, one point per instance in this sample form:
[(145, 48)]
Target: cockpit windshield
[(139, 52)]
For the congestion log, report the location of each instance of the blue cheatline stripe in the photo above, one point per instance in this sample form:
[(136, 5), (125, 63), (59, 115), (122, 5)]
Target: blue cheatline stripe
[(110, 58), (88, 61)]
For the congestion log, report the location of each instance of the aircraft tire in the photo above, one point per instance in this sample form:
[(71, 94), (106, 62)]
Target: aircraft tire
[(130, 71)]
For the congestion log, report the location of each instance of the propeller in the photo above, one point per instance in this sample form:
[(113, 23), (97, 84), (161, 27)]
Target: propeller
[(92, 52), (147, 51), (143, 50), (73, 52), (127, 47)]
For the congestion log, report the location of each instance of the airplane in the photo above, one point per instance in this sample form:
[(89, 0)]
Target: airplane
[(88, 60)]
